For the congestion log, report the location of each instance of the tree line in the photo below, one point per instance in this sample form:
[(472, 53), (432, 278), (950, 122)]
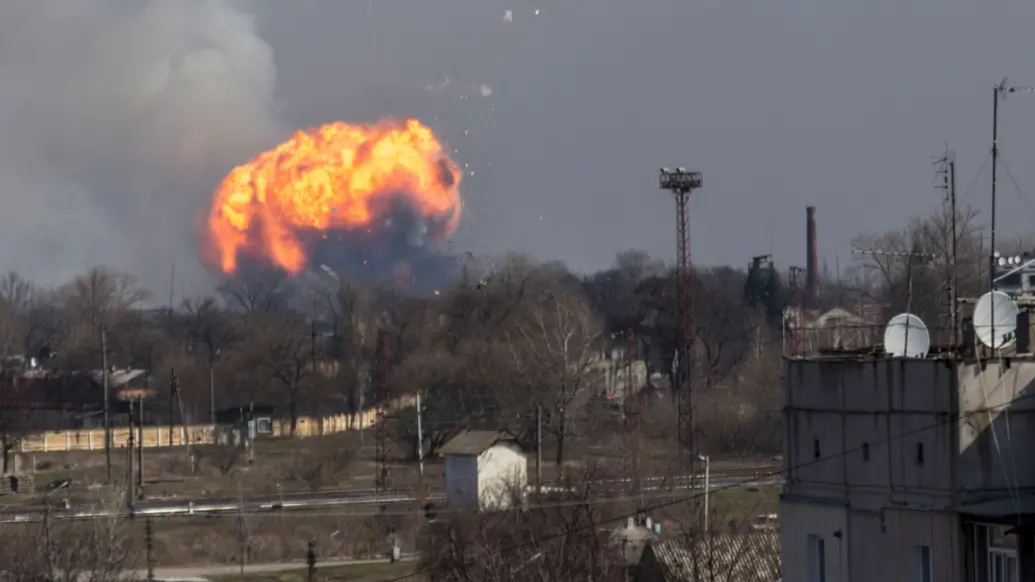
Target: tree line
[(509, 336)]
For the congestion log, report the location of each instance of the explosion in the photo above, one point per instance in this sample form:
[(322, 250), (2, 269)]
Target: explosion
[(360, 182)]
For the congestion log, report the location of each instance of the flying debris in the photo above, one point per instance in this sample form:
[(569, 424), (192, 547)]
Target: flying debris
[(508, 16)]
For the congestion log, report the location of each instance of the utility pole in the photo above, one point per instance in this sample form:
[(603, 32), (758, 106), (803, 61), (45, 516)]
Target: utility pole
[(172, 401), (107, 408), (130, 480), (242, 547), (947, 172), (140, 447), (310, 560), (682, 183), (47, 543), (539, 450), (381, 428), (420, 438), (213, 353), (149, 545), (313, 382)]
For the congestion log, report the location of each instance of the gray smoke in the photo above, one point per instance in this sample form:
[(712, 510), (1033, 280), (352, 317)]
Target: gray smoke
[(117, 121)]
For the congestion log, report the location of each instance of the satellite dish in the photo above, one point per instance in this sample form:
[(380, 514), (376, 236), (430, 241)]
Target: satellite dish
[(906, 336), (995, 320)]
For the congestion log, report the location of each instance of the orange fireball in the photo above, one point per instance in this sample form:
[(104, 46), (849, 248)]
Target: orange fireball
[(335, 177)]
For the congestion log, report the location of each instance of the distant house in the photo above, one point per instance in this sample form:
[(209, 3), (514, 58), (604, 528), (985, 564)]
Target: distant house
[(748, 557), (126, 383), (44, 401), (485, 470)]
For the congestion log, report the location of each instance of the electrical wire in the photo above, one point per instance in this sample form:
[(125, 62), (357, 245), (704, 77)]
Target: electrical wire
[(693, 497)]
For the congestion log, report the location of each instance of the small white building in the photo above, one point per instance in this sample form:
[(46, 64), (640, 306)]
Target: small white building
[(485, 470)]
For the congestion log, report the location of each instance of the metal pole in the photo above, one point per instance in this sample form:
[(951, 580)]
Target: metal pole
[(539, 450), (130, 481), (953, 310), (48, 548), (149, 545), (211, 387), (107, 417), (310, 558), (420, 438), (140, 447), (707, 490), (995, 165), (172, 401)]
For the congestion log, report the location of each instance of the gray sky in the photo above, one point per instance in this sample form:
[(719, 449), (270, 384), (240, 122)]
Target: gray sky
[(781, 104)]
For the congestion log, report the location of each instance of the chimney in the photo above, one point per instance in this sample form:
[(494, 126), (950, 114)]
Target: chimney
[(812, 259)]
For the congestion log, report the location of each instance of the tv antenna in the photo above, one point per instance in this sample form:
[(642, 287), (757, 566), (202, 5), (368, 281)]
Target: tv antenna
[(906, 336), (995, 320)]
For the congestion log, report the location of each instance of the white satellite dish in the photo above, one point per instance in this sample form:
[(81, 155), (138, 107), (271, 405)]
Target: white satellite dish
[(995, 320), (906, 336)]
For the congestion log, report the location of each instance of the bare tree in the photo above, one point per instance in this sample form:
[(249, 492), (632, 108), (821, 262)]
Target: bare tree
[(256, 288), (93, 550), (280, 345), (921, 286), (725, 326), (554, 343), (556, 541), (28, 315), (97, 299)]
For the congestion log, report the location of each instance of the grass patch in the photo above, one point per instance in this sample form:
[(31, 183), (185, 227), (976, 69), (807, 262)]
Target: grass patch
[(377, 572)]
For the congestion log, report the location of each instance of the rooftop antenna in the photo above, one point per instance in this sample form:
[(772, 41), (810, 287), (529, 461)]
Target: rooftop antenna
[(999, 93), (906, 336), (946, 175), (995, 320)]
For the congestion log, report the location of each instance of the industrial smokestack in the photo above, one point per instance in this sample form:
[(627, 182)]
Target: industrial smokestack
[(812, 264)]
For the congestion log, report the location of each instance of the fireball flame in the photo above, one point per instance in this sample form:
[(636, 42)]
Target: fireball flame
[(335, 177)]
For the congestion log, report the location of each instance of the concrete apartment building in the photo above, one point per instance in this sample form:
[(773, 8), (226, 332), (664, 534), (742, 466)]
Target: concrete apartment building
[(904, 470)]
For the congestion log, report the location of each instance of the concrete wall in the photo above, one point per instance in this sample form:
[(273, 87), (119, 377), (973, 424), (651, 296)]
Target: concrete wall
[(975, 422), (868, 420), (873, 545), (502, 473), (997, 427)]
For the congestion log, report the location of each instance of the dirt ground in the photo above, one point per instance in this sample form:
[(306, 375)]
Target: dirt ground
[(338, 462)]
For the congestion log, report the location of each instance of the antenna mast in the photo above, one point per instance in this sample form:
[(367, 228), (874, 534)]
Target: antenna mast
[(947, 173), (999, 92)]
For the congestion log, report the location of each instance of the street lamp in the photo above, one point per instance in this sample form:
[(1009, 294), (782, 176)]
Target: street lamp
[(707, 487)]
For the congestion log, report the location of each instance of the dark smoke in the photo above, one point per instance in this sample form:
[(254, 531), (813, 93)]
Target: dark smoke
[(401, 247)]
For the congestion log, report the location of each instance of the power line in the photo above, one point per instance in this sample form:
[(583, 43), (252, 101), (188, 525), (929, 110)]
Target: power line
[(694, 497)]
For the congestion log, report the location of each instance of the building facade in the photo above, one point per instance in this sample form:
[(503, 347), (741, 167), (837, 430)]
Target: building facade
[(485, 470), (909, 469)]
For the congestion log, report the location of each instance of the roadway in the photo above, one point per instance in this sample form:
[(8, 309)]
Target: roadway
[(648, 487)]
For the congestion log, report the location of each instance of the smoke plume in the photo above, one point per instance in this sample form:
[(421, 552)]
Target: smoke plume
[(117, 119)]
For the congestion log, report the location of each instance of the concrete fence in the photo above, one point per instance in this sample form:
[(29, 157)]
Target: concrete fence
[(203, 434)]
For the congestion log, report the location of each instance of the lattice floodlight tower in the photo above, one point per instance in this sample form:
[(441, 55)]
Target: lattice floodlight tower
[(682, 183)]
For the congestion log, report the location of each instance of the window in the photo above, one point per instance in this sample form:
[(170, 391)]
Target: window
[(817, 559), (866, 451), (923, 564), (1002, 554), (919, 453), (815, 448)]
